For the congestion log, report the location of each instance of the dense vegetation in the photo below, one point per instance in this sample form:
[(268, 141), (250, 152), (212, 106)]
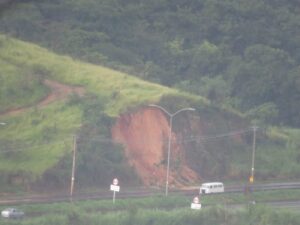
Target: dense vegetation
[(240, 53)]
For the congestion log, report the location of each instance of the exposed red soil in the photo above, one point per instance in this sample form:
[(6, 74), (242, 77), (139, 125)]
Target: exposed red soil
[(58, 91), (145, 137)]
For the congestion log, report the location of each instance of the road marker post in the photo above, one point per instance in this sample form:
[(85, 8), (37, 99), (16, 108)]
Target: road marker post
[(196, 203)]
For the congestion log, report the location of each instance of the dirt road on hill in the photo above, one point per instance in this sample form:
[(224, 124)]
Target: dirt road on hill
[(58, 91)]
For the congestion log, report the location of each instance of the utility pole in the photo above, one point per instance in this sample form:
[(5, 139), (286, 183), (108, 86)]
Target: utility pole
[(251, 179), (73, 168)]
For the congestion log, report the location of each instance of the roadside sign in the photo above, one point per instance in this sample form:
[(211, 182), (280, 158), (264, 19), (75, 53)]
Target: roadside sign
[(196, 200), (196, 203), (115, 188), (115, 181)]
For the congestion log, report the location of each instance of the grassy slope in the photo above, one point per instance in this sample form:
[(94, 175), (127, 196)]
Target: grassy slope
[(36, 139), (123, 89), (15, 89)]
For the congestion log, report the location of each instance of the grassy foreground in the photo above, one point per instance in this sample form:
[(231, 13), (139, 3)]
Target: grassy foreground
[(161, 211)]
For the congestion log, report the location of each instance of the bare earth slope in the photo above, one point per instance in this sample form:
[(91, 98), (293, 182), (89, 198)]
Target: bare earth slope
[(145, 137)]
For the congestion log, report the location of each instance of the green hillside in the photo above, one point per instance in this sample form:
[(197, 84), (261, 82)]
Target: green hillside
[(37, 138), (36, 142)]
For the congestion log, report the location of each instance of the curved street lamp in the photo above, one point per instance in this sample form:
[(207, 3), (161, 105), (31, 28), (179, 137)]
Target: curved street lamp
[(171, 115)]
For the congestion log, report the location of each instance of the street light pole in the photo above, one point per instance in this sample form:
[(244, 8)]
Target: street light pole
[(171, 115), (169, 152), (253, 154), (73, 168)]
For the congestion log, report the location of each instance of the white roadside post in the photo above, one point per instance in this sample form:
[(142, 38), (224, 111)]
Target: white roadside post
[(196, 203), (115, 188)]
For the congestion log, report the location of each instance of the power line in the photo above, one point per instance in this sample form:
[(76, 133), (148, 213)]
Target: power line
[(219, 136), (110, 140), (186, 139)]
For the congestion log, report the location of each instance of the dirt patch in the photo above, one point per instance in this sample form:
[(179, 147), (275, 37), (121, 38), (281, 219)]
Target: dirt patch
[(145, 137), (58, 91)]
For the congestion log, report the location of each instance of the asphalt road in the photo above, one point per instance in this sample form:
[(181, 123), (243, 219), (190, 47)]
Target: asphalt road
[(131, 193)]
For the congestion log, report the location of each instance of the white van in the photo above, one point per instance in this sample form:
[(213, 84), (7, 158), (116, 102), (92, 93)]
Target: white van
[(213, 187)]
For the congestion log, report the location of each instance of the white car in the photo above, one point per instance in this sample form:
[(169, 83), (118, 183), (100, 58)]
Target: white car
[(12, 213)]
